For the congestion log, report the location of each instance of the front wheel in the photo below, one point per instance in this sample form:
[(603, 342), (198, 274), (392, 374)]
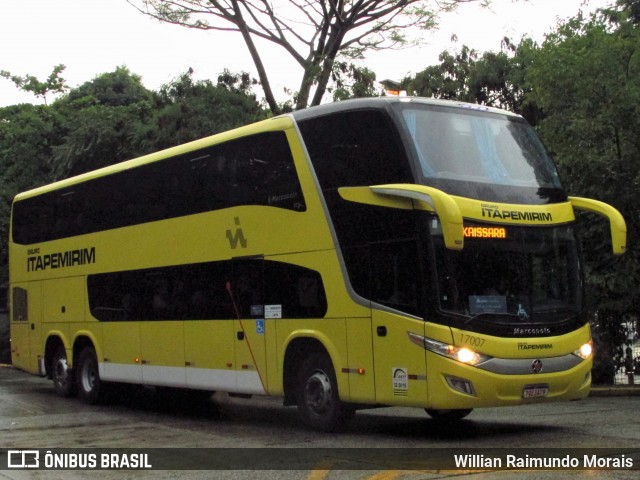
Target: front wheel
[(448, 415), (317, 395), (61, 373), (88, 376)]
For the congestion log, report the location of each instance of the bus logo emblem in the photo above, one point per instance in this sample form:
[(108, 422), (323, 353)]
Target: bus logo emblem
[(536, 366), (237, 236)]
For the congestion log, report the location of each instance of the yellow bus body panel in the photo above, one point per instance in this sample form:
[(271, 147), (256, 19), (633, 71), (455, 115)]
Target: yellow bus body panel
[(493, 390), (522, 347), (374, 359)]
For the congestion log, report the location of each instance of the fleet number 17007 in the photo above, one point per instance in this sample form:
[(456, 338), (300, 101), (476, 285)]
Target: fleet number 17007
[(471, 340)]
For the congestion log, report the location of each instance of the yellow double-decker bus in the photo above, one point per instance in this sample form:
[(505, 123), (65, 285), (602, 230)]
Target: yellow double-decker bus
[(390, 251)]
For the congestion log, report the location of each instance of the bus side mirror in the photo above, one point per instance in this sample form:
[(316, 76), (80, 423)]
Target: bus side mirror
[(616, 220), (419, 197)]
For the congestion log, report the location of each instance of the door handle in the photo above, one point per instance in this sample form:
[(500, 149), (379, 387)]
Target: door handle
[(381, 331), (240, 335)]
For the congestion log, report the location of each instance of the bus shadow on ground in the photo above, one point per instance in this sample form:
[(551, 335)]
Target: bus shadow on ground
[(267, 413), (460, 431), (203, 405)]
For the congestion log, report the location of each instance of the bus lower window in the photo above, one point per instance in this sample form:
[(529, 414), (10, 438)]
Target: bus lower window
[(211, 291)]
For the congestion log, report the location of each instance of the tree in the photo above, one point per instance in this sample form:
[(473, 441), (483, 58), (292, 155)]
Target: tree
[(580, 89), (100, 117), (54, 82), (315, 33), (107, 120), (494, 79), (27, 134), (186, 110), (113, 117), (111, 89), (353, 82), (450, 80), (584, 80)]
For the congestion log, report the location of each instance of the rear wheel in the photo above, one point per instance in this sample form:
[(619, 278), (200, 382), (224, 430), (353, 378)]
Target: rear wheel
[(448, 415), (63, 381), (88, 376), (317, 395)]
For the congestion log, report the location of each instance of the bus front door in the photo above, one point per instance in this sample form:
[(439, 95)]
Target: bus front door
[(246, 289)]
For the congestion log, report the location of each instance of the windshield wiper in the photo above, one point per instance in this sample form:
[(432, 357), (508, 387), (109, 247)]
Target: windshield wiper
[(492, 315)]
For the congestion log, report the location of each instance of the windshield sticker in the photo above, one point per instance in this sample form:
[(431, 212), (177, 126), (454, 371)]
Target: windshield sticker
[(273, 311), (487, 304)]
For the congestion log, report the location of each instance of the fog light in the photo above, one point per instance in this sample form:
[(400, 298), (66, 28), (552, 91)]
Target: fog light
[(461, 385)]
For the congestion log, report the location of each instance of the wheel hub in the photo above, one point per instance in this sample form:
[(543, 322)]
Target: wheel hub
[(61, 371), (317, 392), (88, 378)]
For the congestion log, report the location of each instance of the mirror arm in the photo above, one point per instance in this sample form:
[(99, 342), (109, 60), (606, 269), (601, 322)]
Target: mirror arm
[(617, 224)]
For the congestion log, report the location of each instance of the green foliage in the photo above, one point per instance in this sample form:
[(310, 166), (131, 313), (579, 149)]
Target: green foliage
[(352, 81), (494, 79), (54, 82), (113, 89), (584, 79), (609, 336), (580, 89), (99, 118), (186, 110), (107, 120), (27, 134), (314, 34)]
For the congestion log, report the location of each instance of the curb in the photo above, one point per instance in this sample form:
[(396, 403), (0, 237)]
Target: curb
[(615, 391)]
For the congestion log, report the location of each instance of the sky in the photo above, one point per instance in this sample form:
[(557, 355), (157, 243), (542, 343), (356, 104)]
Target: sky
[(92, 37)]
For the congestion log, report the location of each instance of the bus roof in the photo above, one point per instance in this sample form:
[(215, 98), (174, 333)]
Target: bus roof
[(276, 123), (387, 102)]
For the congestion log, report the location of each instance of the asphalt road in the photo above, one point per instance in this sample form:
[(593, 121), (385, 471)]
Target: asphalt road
[(33, 417)]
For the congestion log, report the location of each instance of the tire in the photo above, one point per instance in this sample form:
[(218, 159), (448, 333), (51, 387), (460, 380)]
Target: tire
[(61, 374), (317, 395), (448, 415), (88, 377)]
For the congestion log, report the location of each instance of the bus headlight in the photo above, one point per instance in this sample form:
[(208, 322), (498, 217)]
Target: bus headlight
[(585, 350), (463, 355)]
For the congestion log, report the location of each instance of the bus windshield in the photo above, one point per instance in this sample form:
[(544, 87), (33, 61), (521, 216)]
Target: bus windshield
[(479, 154), (523, 275)]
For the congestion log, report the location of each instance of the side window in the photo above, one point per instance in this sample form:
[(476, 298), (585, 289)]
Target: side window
[(186, 292), (356, 148), (253, 170), (379, 245), (260, 171), (393, 275), (20, 305), (247, 288), (207, 291), (300, 291), (382, 258)]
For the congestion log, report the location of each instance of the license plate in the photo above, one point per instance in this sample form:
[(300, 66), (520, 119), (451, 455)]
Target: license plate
[(535, 391)]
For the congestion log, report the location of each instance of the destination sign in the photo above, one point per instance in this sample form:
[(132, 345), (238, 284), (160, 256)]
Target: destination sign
[(485, 232)]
